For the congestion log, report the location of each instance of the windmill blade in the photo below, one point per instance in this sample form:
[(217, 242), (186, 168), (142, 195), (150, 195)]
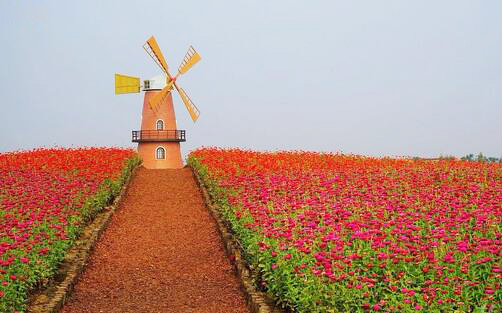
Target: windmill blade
[(191, 58), (154, 102), (192, 109), (126, 84), (152, 48)]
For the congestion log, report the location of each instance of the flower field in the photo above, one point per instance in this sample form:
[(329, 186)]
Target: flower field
[(46, 197), (343, 233)]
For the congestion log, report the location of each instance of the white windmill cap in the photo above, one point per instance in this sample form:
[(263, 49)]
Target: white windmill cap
[(156, 83)]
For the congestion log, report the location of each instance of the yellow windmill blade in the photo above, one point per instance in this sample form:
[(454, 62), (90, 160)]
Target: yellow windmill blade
[(152, 48), (126, 84), (155, 101), (192, 109), (191, 58)]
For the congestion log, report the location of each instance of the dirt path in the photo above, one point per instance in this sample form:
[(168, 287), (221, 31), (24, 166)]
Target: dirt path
[(160, 253)]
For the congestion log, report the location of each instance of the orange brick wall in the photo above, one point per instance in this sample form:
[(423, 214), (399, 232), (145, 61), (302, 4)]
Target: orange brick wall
[(147, 151), (149, 119)]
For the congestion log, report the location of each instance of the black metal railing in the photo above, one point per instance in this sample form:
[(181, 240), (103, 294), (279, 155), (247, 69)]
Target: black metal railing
[(158, 135)]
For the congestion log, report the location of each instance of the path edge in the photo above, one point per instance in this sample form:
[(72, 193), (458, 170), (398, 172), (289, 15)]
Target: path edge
[(257, 301), (78, 256)]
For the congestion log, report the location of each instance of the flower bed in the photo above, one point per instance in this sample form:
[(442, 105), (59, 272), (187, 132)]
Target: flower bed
[(46, 197), (340, 233)]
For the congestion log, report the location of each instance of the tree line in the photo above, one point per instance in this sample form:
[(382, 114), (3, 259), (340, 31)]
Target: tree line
[(481, 158)]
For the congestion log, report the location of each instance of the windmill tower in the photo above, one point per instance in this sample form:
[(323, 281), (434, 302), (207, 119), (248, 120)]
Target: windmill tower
[(159, 139)]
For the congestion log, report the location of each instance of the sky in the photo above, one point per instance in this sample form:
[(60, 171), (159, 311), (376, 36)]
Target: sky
[(378, 78)]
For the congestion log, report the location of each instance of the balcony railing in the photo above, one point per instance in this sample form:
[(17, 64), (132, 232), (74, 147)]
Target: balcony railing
[(158, 135)]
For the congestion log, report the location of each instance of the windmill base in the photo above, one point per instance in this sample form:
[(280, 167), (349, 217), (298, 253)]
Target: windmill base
[(172, 156)]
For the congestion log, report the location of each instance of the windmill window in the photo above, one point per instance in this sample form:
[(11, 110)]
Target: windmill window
[(160, 125), (161, 153)]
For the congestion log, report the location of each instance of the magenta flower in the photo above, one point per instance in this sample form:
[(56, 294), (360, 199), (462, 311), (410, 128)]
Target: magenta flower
[(366, 225)]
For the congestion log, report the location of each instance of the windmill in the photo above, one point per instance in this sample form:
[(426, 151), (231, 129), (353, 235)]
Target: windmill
[(159, 139)]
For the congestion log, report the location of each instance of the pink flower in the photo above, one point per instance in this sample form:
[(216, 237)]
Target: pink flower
[(399, 210)]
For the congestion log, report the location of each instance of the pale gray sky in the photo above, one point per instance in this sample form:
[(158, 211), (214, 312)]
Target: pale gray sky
[(419, 78)]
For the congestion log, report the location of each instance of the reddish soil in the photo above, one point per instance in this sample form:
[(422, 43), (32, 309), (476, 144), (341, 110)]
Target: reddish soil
[(161, 253)]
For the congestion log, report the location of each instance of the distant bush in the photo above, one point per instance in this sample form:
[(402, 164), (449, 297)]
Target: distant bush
[(447, 157)]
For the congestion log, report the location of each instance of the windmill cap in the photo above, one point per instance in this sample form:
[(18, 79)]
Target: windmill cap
[(155, 83)]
